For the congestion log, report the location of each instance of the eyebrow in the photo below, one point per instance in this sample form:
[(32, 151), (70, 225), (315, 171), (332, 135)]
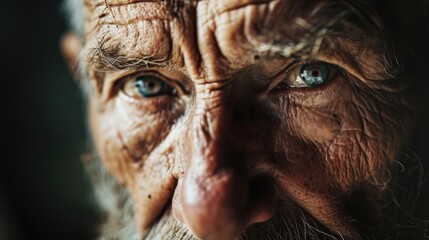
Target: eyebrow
[(105, 57), (328, 23)]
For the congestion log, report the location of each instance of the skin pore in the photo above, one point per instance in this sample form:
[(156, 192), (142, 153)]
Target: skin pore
[(246, 119)]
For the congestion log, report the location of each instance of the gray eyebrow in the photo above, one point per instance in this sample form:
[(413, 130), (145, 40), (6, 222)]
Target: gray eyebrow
[(109, 58), (327, 22)]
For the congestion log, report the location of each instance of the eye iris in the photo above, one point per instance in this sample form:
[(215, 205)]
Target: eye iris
[(149, 86), (315, 74)]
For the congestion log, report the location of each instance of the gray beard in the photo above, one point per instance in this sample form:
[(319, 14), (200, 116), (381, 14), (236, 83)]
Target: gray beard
[(291, 224)]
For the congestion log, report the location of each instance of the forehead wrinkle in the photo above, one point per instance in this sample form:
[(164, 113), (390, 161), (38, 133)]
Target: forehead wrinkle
[(220, 6), (107, 58), (174, 4), (138, 10), (313, 31), (108, 10), (131, 24), (105, 55)]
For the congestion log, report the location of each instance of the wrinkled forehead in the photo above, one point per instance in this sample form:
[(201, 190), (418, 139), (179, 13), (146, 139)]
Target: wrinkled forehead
[(175, 31), (291, 12)]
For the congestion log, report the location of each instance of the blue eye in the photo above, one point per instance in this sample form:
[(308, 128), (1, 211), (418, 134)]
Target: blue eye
[(147, 86), (315, 74)]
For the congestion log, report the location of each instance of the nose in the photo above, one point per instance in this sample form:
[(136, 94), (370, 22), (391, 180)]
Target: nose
[(220, 194)]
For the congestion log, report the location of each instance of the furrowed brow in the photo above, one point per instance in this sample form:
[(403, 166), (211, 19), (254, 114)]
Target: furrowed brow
[(104, 57)]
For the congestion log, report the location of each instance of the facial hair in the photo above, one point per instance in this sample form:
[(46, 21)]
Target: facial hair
[(289, 222)]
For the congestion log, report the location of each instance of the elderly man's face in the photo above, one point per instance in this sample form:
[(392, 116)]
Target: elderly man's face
[(246, 118)]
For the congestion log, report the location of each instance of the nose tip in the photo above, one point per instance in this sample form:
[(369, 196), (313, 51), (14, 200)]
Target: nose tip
[(222, 205)]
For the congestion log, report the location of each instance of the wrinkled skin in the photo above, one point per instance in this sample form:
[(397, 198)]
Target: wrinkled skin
[(234, 149)]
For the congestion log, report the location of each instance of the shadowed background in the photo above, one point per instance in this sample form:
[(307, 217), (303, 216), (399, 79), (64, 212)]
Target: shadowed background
[(44, 192)]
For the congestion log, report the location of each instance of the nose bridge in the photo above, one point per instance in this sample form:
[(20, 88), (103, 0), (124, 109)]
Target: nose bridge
[(213, 133), (223, 116)]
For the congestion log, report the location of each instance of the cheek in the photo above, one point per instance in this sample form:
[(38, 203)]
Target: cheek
[(357, 153), (125, 136), (373, 130), (339, 143)]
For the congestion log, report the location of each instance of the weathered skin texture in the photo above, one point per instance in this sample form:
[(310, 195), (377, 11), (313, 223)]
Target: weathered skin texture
[(232, 149)]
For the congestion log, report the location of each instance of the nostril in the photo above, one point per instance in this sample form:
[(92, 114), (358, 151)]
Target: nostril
[(263, 200)]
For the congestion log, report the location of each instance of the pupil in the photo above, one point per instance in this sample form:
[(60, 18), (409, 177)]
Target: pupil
[(151, 84), (315, 73)]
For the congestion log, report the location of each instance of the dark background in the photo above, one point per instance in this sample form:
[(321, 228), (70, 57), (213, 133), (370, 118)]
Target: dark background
[(44, 192)]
